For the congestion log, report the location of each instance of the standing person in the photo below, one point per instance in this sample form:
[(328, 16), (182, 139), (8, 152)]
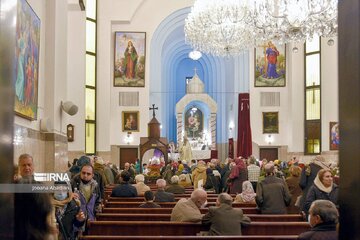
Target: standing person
[(237, 176), (26, 168), (224, 219), (128, 168), (323, 217), (199, 173), (130, 60), (323, 188), (294, 188), (253, 172), (188, 210), (308, 175), (272, 194), (185, 151), (86, 189)]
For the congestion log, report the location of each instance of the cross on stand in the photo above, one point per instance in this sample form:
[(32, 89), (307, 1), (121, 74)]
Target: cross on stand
[(153, 108)]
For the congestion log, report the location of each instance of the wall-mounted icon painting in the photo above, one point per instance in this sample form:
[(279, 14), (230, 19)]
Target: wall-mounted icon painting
[(334, 136), (27, 61), (270, 122), (129, 63), (270, 65), (130, 121)]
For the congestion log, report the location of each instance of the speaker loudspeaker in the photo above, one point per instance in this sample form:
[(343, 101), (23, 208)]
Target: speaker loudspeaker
[(69, 107)]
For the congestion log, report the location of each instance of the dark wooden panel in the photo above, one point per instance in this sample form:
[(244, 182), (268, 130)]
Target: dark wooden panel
[(128, 155), (270, 154)]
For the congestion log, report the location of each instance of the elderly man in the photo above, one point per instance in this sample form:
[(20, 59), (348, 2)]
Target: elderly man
[(272, 195), (224, 219), (128, 168), (323, 217), (188, 210), (174, 186), (140, 186), (160, 194), (26, 168)]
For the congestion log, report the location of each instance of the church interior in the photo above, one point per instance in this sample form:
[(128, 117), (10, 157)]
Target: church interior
[(81, 96)]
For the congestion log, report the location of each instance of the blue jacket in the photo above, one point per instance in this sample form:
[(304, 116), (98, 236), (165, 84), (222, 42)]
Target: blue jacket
[(124, 190)]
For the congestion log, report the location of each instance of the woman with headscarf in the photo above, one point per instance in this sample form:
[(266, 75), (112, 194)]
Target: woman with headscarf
[(237, 176), (247, 195), (199, 173), (323, 188)]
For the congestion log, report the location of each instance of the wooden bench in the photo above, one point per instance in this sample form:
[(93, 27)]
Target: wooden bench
[(185, 195), (140, 199), (166, 204), (160, 228), (163, 210), (166, 217), (267, 237)]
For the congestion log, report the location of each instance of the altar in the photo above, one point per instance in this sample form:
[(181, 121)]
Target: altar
[(196, 154)]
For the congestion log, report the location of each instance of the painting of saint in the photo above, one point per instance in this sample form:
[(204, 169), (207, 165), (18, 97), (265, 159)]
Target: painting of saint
[(130, 121), (270, 65), (194, 123), (334, 136), (129, 63), (27, 61)]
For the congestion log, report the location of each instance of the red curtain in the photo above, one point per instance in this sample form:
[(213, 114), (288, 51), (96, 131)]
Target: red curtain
[(244, 142)]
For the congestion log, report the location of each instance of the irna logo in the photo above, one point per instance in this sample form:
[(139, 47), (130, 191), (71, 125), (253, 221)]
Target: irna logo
[(49, 177)]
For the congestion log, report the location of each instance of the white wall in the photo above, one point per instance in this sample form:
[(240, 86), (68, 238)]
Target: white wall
[(141, 16), (76, 74), (291, 110)]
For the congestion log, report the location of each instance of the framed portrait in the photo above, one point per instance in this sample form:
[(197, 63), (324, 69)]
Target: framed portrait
[(130, 121), (334, 136), (129, 62), (194, 123), (270, 122), (26, 65), (270, 65)]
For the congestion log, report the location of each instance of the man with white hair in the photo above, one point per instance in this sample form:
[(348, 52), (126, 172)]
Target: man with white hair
[(174, 186), (140, 186), (161, 195), (272, 195), (224, 219), (188, 210)]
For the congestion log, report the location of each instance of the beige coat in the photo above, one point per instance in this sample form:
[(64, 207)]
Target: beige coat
[(185, 210), (141, 188), (199, 173)]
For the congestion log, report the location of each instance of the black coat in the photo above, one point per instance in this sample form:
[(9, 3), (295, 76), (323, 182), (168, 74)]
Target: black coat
[(67, 220), (124, 190), (315, 193), (321, 231), (162, 196)]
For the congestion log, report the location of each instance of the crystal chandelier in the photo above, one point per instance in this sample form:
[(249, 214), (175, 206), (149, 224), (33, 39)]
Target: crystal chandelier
[(219, 27), (227, 27), (285, 21)]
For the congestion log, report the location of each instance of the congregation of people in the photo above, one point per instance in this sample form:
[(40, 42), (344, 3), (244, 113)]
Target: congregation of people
[(274, 187)]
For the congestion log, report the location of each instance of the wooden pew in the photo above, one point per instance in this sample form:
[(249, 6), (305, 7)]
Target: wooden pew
[(267, 237), (166, 217), (185, 195), (166, 204), (161, 228), (140, 199), (249, 210)]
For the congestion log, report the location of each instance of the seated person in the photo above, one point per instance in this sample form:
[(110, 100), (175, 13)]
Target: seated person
[(140, 186), (224, 219), (248, 195), (174, 186), (183, 181), (124, 189), (323, 217), (149, 201), (188, 210), (160, 194)]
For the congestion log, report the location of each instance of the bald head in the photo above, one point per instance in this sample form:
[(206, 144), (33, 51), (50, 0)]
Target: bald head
[(199, 197)]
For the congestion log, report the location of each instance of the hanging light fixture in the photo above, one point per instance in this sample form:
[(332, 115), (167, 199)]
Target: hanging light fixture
[(284, 21), (227, 27), (219, 27)]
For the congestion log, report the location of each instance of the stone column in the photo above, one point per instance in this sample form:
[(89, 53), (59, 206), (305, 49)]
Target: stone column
[(179, 127), (213, 130)]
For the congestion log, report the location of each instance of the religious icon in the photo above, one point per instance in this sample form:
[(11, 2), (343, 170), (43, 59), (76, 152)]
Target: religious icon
[(270, 63), (194, 123), (334, 136), (270, 122), (130, 121)]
